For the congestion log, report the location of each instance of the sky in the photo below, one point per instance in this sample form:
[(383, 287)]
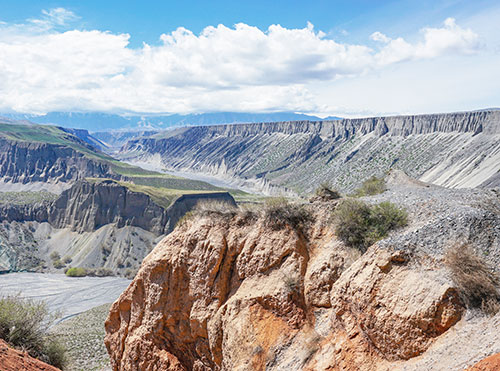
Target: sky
[(341, 58)]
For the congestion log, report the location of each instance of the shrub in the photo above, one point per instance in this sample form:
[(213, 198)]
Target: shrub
[(386, 216), (476, 282), (326, 193), (360, 225), (67, 260), (278, 213), (55, 255), (370, 187), (76, 272), (25, 323), (100, 272), (58, 264), (215, 208)]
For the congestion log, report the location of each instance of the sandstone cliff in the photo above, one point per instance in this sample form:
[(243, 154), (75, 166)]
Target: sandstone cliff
[(457, 150), (228, 292)]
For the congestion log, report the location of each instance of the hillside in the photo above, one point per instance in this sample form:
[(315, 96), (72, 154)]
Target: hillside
[(454, 150)]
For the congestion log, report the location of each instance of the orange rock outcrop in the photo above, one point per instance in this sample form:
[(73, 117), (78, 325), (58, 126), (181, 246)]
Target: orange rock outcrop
[(232, 294)]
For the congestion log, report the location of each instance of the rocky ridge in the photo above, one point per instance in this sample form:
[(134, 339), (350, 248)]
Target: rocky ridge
[(231, 293), (455, 150)]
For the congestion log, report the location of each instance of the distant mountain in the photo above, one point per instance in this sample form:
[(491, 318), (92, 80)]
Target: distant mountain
[(102, 121)]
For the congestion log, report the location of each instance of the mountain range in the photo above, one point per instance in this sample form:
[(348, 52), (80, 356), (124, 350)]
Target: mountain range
[(94, 121)]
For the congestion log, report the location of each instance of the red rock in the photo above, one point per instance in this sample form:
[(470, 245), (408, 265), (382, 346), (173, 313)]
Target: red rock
[(491, 363), (15, 360)]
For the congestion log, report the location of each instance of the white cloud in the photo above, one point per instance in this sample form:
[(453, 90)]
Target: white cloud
[(240, 68), (449, 39), (53, 17)]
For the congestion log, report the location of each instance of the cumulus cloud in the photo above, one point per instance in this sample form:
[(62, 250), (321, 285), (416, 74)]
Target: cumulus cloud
[(449, 39), (239, 68)]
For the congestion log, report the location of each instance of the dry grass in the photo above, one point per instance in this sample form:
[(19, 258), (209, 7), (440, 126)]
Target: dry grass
[(477, 283), (326, 192), (279, 213)]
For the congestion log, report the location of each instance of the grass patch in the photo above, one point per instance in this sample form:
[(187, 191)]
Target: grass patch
[(371, 186), (360, 225), (24, 324), (476, 282)]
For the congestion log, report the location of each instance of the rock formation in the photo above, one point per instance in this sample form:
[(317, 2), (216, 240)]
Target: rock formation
[(491, 363), (228, 292), (456, 150)]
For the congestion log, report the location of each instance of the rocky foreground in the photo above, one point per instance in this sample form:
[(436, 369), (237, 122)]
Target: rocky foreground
[(15, 360), (228, 291)]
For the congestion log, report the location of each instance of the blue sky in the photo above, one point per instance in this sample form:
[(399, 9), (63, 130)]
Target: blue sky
[(347, 58)]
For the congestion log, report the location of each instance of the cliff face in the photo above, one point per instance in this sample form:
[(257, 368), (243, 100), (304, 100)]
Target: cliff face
[(87, 206), (27, 162), (457, 150), (230, 293)]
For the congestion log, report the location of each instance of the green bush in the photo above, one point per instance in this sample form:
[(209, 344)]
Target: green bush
[(76, 272), (278, 213), (370, 187), (24, 324), (360, 225), (477, 283)]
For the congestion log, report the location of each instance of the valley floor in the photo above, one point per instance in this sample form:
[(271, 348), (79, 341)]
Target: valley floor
[(68, 295)]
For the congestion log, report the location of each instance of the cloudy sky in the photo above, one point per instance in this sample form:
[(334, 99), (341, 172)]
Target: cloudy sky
[(343, 58)]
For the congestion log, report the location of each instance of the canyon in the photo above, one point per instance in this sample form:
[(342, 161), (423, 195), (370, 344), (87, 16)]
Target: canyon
[(458, 150)]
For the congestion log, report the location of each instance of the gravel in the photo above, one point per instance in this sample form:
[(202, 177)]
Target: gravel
[(83, 336)]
